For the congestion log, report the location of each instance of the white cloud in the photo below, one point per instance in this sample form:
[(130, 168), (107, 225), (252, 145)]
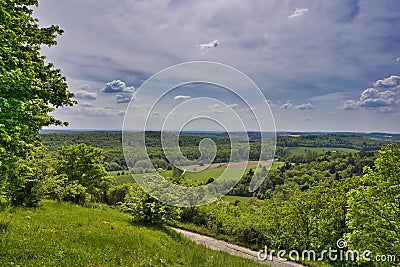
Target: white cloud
[(85, 95), (298, 12), (349, 105), (286, 106), (373, 98), (204, 48), (384, 97), (398, 59), (117, 86), (179, 97), (305, 106), (212, 44), (123, 98), (388, 82)]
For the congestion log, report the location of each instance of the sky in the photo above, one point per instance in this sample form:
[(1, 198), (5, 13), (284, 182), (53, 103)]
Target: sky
[(319, 65)]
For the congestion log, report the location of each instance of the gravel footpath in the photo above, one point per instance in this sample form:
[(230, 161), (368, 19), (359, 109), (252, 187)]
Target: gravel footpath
[(236, 250)]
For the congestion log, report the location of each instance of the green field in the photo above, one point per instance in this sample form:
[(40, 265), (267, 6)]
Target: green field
[(216, 172), (302, 150), (201, 175), (60, 234)]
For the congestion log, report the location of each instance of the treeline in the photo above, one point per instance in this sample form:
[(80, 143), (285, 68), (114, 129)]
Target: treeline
[(114, 159), (331, 140)]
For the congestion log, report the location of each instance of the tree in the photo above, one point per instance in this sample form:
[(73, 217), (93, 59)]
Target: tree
[(84, 164), (29, 88), (374, 207)]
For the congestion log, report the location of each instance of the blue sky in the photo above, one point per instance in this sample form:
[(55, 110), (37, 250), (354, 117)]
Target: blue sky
[(322, 65)]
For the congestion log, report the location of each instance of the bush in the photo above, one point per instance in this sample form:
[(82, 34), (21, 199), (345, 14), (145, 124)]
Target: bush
[(116, 194), (146, 209), (75, 193)]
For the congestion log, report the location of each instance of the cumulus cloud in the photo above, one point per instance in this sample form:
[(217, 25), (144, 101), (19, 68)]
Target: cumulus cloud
[(85, 95), (117, 86), (298, 12), (398, 59), (286, 106), (384, 96), (204, 48), (181, 97), (305, 106), (388, 82), (123, 98), (349, 105), (372, 98)]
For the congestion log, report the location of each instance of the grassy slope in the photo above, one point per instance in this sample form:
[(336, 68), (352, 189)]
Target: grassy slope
[(59, 234)]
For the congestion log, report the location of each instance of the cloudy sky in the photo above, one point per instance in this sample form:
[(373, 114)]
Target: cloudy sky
[(321, 65)]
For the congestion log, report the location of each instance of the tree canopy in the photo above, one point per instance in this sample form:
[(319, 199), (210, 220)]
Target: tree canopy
[(30, 88)]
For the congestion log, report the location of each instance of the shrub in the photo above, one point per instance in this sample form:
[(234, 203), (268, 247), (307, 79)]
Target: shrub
[(117, 194), (75, 193)]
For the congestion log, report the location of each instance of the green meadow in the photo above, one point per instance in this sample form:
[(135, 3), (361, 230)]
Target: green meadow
[(60, 234)]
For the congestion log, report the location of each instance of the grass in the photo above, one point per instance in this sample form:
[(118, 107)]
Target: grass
[(302, 150), (60, 234)]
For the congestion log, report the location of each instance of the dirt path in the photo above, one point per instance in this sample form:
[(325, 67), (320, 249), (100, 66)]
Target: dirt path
[(236, 250)]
